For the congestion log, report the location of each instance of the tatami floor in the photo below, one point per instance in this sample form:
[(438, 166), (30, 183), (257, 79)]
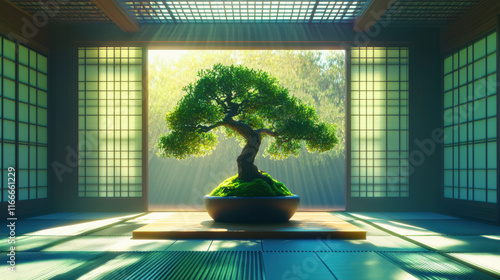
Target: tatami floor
[(398, 246)]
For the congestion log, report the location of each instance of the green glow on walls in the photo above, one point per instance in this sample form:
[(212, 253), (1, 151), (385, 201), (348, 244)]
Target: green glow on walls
[(470, 122), (110, 121), (379, 122)]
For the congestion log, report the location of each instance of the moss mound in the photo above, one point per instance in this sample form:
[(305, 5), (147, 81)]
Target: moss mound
[(235, 187)]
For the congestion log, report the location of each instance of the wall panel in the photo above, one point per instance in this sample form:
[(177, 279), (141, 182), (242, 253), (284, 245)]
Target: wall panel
[(23, 127), (379, 122), (110, 121), (470, 122)]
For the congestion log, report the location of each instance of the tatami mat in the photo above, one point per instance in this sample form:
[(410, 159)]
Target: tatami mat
[(393, 243), (89, 243), (397, 246), (460, 243), (33, 227), (41, 266), (190, 245), (403, 227), (236, 245), (488, 261), (347, 266), (453, 227), (434, 266), (299, 265), (124, 229), (370, 230), (29, 243), (279, 245)]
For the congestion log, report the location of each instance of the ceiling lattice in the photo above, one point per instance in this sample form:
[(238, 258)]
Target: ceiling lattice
[(65, 11), (245, 11), (427, 13), (403, 12)]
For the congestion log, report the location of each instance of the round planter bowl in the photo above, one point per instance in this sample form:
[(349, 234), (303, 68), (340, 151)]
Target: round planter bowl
[(258, 209)]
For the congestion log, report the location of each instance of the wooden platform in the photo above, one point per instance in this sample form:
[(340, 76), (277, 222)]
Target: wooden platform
[(199, 225)]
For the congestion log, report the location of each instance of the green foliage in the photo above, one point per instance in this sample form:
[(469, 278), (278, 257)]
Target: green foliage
[(250, 97), (316, 78), (258, 187), (181, 144)]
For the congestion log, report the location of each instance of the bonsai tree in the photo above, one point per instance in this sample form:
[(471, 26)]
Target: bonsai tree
[(250, 105)]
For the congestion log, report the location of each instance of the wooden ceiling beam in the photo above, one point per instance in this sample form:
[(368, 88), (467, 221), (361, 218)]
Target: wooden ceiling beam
[(118, 14), (18, 25), (371, 14), (477, 22)]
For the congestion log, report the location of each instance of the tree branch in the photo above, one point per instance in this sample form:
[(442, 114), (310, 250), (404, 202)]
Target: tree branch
[(231, 112), (243, 129), (267, 131), (204, 128)]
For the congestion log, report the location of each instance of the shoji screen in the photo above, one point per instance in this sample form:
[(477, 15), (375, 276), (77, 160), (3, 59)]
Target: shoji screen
[(110, 122), (379, 122), (8, 109), (32, 124), (470, 122), (23, 125)]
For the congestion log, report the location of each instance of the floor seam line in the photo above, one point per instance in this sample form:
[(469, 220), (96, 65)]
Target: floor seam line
[(327, 267)]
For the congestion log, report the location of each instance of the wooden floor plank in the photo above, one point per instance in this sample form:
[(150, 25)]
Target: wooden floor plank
[(199, 225)]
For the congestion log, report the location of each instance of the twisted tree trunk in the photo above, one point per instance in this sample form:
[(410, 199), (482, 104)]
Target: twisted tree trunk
[(247, 171)]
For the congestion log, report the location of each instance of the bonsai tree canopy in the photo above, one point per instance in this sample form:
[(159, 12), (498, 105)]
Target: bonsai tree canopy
[(248, 104)]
